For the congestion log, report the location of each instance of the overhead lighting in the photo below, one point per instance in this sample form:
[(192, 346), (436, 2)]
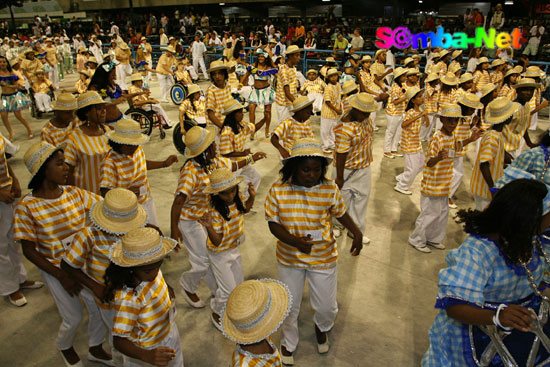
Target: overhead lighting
[(222, 4), (325, 1), (420, 1), (509, 2)]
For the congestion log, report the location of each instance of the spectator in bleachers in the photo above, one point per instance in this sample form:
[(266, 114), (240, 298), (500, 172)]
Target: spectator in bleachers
[(497, 21), (535, 35), (163, 38)]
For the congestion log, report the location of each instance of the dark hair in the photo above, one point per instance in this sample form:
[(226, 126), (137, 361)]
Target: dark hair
[(224, 72), (82, 113), (290, 167), (544, 139), (232, 122), (115, 146), (116, 277), (446, 87), (8, 66), (40, 175), (485, 100), (222, 207), (237, 49), (478, 67), (514, 214), (202, 160), (268, 62), (100, 79), (398, 81)]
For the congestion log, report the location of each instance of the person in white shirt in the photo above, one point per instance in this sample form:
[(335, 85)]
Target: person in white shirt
[(77, 42), (497, 21), (182, 29), (197, 53), (535, 35), (215, 41), (95, 48), (12, 52), (390, 63), (114, 29), (5, 47), (163, 37)]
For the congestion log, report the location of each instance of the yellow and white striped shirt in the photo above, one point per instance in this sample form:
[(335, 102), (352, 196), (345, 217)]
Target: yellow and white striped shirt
[(430, 99), (368, 81), (508, 92), (231, 142), (291, 130), (48, 222), (355, 139), (56, 135), (410, 136), (436, 180), (304, 211), (316, 86), (378, 68), (142, 314), (215, 99), (243, 358), (446, 98), (119, 170), (491, 150), (193, 113), (286, 76), (515, 130), (346, 106), (462, 132), (396, 92), (481, 79), (5, 179), (86, 153), (497, 77), (231, 230), (441, 68), (192, 182), (332, 94)]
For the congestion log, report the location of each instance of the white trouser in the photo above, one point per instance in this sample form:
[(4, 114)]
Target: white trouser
[(43, 102), (426, 131), (481, 203), (243, 93), (70, 310), (356, 193), (534, 121), (374, 114), (458, 173), (317, 99), (194, 238), (149, 74), (322, 296), (192, 71), (165, 83), (283, 112), (97, 328), (251, 175), (431, 224), (327, 132), (12, 270), (108, 315), (160, 111), (53, 75), (414, 163), (122, 72), (172, 340), (10, 147), (393, 133), (199, 60), (151, 211), (228, 271)]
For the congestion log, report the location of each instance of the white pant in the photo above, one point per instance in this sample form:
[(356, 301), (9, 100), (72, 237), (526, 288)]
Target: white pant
[(327, 132), (151, 211), (426, 131), (165, 82), (393, 133), (283, 112), (243, 93), (227, 267), (531, 49), (10, 147), (481, 203), (160, 111), (431, 224), (375, 113), (317, 99), (43, 102), (53, 75), (251, 175), (12, 270), (194, 238), (534, 121), (192, 71), (414, 163), (97, 327), (458, 173), (149, 74), (356, 193), (322, 296), (199, 60), (70, 310), (122, 72)]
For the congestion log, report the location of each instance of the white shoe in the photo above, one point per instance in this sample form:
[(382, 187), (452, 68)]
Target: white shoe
[(438, 246), (397, 154), (287, 360), (216, 324), (376, 128), (323, 348), (365, 240), (337, 232), (77, 364), (404, 192), (20, 302), (424, 249), (198, 304), (106, 362)]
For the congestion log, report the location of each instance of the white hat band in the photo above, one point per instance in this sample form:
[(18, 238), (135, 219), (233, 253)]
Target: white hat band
[(36, 156), (306, 145), (365, 106), (226, 183), (89, 99), (66, 105), (145, 254), (122, 215), (199, 143), (127, 132), (451, 110), (261, 316)]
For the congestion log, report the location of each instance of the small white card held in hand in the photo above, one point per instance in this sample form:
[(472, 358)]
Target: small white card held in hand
[(451, 153), (316, 235)]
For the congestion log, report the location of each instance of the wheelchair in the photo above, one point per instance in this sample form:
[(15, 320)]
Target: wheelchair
[(177, 136), (178, 93), (35, 112), (146, 119)]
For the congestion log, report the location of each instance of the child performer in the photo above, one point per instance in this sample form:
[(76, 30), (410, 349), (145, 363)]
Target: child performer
[(217, 94), (314, 88), (394, 112), (431, 95), (481, 75), (193, 108), (61, 125), (41, 87), (331, 110)]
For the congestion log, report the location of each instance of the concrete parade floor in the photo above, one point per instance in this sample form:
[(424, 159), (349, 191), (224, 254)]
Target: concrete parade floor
[(386, 296)]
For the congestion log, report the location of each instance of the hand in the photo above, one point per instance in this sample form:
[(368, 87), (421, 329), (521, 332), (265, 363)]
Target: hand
[(246, 151), (475, 120), (160, 356), (176, 234), (7, 196), (517, 317), (258, 155), (303, 244), (339, 182), (70, 285), (170, 160), (443, 154), (476, 134), (98, 291), (356, 245), (338, 111), (171, 292), (251, 189), (383, 96), (16, 189), (206, 220)]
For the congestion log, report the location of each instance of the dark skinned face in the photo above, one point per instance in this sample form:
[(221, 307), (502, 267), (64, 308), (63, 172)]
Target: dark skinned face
[(309, 172)]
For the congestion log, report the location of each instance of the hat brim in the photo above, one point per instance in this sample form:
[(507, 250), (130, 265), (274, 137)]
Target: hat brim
[(449, 116), (58, 108), (45, 156), (117, 255), (313, 155), (475, 107), (280, 308), (210, 137), (119, 228), (233, 109), (487, 92), (294, 110), (497, 120), (112, 135), (465, 81), (211, 190), (447, 81), (526, 85), (294, 51), (372, 109)]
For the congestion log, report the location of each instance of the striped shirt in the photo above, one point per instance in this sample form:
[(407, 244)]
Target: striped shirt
[(508, 92), (304, 211), (378, 68), (332, 94), (81, 86), (215, 99), (368, 81), (396, 92), (446, 97), (193, 113), (436, 180), (192, 182), (142, 314), (355, 139), (491, 150), (183, 76), (515, 130), (410, 136), (316, 86), (120, 170), (291, 130), (242, 358), (86, 153), (430, 99), (51, 223), (56, 135), (231, 230), (231, 142), (346, 106), (462, 132), (481, 79), (534, 101), (441, 68), (5, 179), (497, 77), (286, 76), (459, 92)]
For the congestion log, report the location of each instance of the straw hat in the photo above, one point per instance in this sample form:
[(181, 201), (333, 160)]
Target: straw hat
[(417, 56), (533, 72), (497, 62), (412, 71), (435, 55), (135, 77), (483, 60), (444, 53), (230, 106), (330, 59), (65, 102), (119, 212), (273, 40), (500, 110), (431, 77), (37, 155), (408, 60), (454, 68), (526, 83), (398, 72), (456, 53), (515, 70), (466, 77), (292, 49), (311, 71), (222, 179), (486, 89), (450, 110), (470, 100), (307, 147), (198, 139), (411, 92), (143, 39), (217, 65), (92, 59), (124, 46), (332, 71), (348, 87), (231, 64), (366, 58), (254, 310), (84, 72), (171, 38), (193, 88), (80, 49), (89, 98), (449, 79), (383, 50), (127, 131), (363, 102), (300, 103), (14, 62), (141, 246)]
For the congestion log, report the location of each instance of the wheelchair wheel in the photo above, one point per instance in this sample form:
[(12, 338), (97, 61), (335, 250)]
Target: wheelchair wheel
[(177, 136), (162, 132), (178, 92), (143, 118)]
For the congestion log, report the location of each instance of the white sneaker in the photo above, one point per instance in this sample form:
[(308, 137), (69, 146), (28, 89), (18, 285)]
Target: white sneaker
[(323, 348), (397, 154), (365, 240), (337, 232), (438, 246), (198, 304), (404, 192), (106, 362), (424, 249)]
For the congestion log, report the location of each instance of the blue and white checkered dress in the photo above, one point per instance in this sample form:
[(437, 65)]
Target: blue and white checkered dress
[(477, 274), (533, 161)]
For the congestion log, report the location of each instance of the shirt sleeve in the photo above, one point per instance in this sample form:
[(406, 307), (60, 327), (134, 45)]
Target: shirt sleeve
[(434, 147), (280, 131), (108, 178), (342, 141), (70, 152), (488, 149), (186, 182), (328, 94), (23, 227), (226, 141), (77, 252), (210, 100), (272, 206), (283, 77), (338, 207), (126, 314)]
